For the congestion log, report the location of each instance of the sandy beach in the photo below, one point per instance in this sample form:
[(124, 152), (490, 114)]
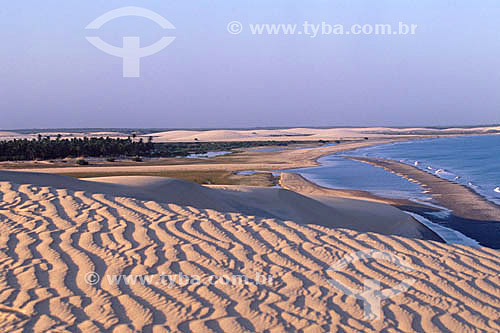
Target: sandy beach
[(460, 199), (124, 251), (244, 160)]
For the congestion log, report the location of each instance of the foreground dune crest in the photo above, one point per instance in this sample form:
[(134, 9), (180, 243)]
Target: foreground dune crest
[(52, 239)]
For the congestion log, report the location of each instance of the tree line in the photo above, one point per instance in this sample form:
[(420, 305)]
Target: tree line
[(46, 148)]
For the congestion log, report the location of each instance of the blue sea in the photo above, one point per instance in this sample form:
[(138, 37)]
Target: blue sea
[(473, 161), (338, 172)]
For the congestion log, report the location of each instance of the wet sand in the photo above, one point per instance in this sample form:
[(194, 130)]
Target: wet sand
[(464, 202)]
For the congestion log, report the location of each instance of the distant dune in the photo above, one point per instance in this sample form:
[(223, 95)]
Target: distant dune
[(305, 134), (287, 134), (9, 135), (56, 232)]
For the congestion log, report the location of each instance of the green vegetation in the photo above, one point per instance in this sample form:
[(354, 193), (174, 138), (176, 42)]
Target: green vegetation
[(49, 149), (46, 149), (212, 177)]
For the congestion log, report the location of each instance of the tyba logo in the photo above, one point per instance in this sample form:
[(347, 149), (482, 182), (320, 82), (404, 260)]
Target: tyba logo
[(372, 295), (131, 52)]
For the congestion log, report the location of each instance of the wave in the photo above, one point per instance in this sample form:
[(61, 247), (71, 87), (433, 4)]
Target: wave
[(467, 175), (446, 174), (460, 179), (450, 176), (474, 186)]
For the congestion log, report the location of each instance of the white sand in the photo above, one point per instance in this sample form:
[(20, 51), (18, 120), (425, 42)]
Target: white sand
[(287, 134), (55, 230), (306, 134)]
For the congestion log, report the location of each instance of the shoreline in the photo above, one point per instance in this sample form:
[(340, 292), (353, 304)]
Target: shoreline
[(453, 196), (282, 161), (298, 183), (246, 160), (243, 161), (477, 223)]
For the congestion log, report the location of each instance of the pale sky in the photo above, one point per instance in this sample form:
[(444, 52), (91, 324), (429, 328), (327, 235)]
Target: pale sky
[(448, 73)]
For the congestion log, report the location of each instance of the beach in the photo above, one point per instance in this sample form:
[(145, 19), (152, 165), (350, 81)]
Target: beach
[(123, 250), (459, 198)]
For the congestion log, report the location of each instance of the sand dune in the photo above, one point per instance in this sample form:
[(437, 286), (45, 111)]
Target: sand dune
[(52, 237), (284, 134), (4, 133), (309, 134), (7, 135), (262, 202), (254, 135)]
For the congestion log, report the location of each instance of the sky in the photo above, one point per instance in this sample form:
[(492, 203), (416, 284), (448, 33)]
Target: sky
[(446, 74)]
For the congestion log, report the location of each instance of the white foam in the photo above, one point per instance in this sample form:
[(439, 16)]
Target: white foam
[(445, 174), (475, 187), (450, 236), (497, 189)]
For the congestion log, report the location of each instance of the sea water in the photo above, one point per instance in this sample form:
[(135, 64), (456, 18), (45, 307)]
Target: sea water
[(473, 161), (341, 173)]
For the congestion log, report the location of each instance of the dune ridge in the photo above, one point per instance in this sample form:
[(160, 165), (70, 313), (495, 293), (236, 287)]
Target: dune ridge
[(51, 238), (257, 201), (277, 134), (302, 134)]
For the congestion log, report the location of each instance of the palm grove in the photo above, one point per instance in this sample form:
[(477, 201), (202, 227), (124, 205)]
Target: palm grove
[(46, 148)]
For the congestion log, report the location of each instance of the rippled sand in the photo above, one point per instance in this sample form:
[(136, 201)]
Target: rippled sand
[(51, 238)]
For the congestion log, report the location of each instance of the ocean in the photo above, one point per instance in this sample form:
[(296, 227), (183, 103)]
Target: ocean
[(338, 172), (473, 161)]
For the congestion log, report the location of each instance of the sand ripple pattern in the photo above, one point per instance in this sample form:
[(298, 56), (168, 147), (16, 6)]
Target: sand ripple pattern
[(50, 239)]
